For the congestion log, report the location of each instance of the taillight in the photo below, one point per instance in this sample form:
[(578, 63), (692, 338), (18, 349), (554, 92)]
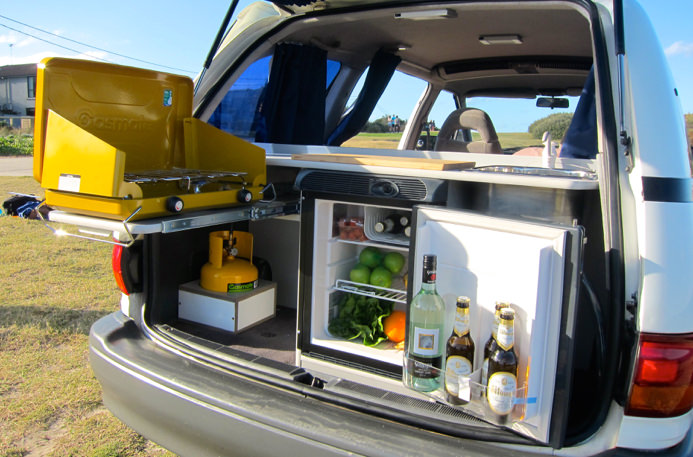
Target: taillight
[(116, 258), (663, 381)]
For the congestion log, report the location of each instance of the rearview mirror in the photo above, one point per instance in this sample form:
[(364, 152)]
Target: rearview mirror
[(552, 102)]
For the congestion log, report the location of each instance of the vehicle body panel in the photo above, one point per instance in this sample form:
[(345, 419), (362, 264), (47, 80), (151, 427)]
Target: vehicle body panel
[(198, 397)]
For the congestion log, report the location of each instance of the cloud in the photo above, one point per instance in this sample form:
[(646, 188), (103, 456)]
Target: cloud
[(36, 57), (678, 48), (25, 42), (8, 38)]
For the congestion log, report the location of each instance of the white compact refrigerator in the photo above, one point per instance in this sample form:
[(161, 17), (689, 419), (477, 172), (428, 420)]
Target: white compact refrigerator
[(534, 266)]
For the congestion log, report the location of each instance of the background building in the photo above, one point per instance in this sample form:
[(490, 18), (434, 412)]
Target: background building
[(18, 95)]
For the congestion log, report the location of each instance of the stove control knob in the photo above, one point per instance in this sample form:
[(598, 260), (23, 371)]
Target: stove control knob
[(174, 204), (244, 196)]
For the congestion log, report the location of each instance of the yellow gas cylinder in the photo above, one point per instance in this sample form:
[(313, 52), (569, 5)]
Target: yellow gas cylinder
[(227, 269)]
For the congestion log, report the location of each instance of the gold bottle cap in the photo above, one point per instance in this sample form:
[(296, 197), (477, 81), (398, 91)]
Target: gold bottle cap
[(507, 314), (501, 304), (463, 302)]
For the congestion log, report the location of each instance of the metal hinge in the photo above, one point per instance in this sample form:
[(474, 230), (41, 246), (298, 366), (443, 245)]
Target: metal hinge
[(632, 305), (272, 210), (626, 141)]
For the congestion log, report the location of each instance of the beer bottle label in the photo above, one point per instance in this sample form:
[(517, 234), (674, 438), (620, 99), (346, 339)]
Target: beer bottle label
[(426, 341), (505, 336), (500, 393), (456, 366), (461, 325)]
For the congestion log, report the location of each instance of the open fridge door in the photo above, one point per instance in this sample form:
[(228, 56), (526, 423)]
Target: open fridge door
[(535, 267)]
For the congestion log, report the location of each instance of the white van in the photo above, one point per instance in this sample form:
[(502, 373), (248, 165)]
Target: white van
[(589, 237)]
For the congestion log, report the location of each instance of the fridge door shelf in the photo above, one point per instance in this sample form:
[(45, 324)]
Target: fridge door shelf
[(473, 392), (395, 295)]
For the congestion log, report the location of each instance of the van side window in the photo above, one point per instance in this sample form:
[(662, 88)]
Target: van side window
[(237, 112), (390, 115)]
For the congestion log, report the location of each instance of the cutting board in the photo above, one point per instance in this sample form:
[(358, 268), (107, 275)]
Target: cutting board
[(387, 161)]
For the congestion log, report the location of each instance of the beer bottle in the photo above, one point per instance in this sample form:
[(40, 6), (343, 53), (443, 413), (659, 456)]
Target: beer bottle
[(390, 224), (423, 356), (490, 345), (502, 369), (459, 352)]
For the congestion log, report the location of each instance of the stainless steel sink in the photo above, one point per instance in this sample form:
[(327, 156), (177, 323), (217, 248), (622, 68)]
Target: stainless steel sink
[(538, 171)]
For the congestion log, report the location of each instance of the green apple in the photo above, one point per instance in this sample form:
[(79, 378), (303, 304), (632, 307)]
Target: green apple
[(371, 256), (381, 277), (394, 261), (360, 273)]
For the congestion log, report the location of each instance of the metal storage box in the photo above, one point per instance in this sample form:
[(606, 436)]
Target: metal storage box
[(119, 142)]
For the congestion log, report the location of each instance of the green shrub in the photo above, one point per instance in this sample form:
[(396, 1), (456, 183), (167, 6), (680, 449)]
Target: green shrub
[(16, 145), (557, 124), (380, 125)]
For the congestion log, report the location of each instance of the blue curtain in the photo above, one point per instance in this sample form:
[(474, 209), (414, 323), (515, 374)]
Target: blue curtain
[(379, 74), (293, 105), (580, 141)]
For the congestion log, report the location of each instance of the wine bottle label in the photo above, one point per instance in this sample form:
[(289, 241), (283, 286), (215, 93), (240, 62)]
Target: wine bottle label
[(429, 269), (424, 367), (500, 393), (426, 341), (461, 326), (456, 366), (505, 336)]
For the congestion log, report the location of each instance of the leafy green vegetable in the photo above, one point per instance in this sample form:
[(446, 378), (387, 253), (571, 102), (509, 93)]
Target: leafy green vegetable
[(359, 316)]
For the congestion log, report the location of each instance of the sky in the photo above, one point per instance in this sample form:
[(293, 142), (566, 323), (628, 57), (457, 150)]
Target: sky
[(175, 36)]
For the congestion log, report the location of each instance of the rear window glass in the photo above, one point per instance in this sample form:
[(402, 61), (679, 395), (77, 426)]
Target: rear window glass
[(237, 112)]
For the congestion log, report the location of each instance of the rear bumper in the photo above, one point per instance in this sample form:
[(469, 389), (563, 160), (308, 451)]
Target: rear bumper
[(196, 409)]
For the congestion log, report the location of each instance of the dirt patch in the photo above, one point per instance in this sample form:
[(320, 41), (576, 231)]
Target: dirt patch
[(41, 443)]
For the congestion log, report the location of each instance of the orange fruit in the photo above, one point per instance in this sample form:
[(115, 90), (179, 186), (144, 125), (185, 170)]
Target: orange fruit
[(394, 326)]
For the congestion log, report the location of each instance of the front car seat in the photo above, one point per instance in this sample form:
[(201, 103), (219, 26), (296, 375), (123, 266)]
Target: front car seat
[(468, 118)]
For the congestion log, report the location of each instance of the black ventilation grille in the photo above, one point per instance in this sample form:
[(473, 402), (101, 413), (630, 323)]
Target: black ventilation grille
[(355, 184), (335, 183)]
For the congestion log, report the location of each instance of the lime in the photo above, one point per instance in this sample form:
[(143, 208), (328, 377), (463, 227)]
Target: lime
[(360, 273), (393, 261), (371, 256), (381, 277)]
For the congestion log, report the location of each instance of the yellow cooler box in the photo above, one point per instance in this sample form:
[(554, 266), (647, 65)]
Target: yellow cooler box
[(119, 142)]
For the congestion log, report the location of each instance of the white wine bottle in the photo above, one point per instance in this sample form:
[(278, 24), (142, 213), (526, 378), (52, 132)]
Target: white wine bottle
[(423, 356)]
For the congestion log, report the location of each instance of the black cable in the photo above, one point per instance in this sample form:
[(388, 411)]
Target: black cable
[(50, 42), (82, 44)]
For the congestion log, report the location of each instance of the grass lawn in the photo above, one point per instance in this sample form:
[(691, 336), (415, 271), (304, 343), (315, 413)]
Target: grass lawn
[(53, 290), (390, 140)]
